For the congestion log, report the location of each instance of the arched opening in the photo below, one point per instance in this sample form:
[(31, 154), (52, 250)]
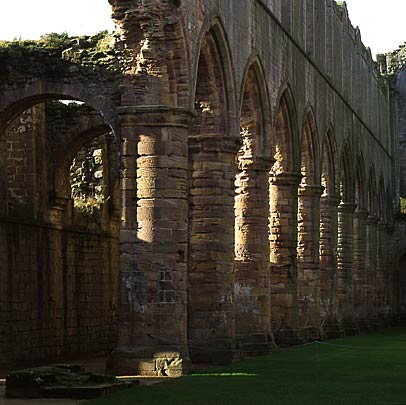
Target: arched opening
[(309, 230), (371, 249), (381, 251), (345, 242), (359, 272), (284, 180), (252, 289), (328, 237), (212, 151), (65, 273), (402, 287)]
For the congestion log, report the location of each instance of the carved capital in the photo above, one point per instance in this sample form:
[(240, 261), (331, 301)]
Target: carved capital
[(260, 164), (346, 207), (372, 220), (362, 215), (285, 179), (155, 116), (311, 191), (214, 143), (330, 199)]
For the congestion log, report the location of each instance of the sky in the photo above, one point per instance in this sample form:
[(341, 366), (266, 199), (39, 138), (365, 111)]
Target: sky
[(29, 19), (381, 21)]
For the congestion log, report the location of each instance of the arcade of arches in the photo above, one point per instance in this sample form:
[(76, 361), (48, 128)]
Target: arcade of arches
[(210, 181)]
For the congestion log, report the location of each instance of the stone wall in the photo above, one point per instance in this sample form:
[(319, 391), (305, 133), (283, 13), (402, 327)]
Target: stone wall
[(59, 273), (58, 296), (256, 157)]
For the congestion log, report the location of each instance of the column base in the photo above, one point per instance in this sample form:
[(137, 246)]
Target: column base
[(364, 325), (256, 344), (350, 327), (313, 333), (163, 362), (375, 322), (290, 337), (385, 319), (218, 352), (333, 329)]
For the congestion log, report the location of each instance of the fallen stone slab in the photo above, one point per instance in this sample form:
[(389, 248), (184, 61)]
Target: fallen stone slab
[(62, 381)]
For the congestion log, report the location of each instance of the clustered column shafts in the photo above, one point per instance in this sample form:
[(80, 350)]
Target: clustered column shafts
[(381, 272), (345, 266), (328, 263), (153, 279), (252, 278), (211, 311), (283, 242), (308, 256), (371, 258), (360, 288)]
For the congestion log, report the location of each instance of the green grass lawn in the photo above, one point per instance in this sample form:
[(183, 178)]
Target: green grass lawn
[(314, 374)]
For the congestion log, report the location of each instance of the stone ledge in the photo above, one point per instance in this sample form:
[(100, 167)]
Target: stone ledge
[(62, 381)]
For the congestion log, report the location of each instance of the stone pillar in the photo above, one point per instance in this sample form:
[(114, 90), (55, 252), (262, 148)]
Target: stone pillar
[(381, 273), (371, 266), (328, 265), (345, 267), (153, 243), (283, 268), (252, 281), (390, 301), (359, 279), (211, 312), (308, 263)]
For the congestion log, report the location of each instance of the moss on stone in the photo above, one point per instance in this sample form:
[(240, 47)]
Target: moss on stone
[(99, 51)]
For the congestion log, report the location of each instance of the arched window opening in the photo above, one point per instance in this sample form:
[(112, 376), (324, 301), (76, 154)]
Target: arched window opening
[(328, 238), (251, 288), (90, 177), (284, 181), (67, 274), (345, 243), (308, 223), (359, 270), (22, 144), (212, 150)]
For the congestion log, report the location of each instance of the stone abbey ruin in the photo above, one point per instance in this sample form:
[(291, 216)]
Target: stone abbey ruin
[(215, 178)]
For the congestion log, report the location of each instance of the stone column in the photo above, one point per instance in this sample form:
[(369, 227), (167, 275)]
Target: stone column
[(390, 302), (370, 274), (359, 280), (252, 281), (211, 312), (345, 267), (381, 272), (283, 268), (328, 265), (153, 243), (308, 263)]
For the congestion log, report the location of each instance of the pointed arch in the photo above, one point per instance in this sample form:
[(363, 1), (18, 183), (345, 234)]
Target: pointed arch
[(254, 107), (372, 203), (212, 152), (346, 175), (329, 165), (360, 186), (286, 139), (389, 205), (381, 209), (310, 149), (214, 84)]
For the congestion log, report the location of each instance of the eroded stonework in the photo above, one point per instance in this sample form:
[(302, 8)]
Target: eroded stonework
[(250, 176)]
